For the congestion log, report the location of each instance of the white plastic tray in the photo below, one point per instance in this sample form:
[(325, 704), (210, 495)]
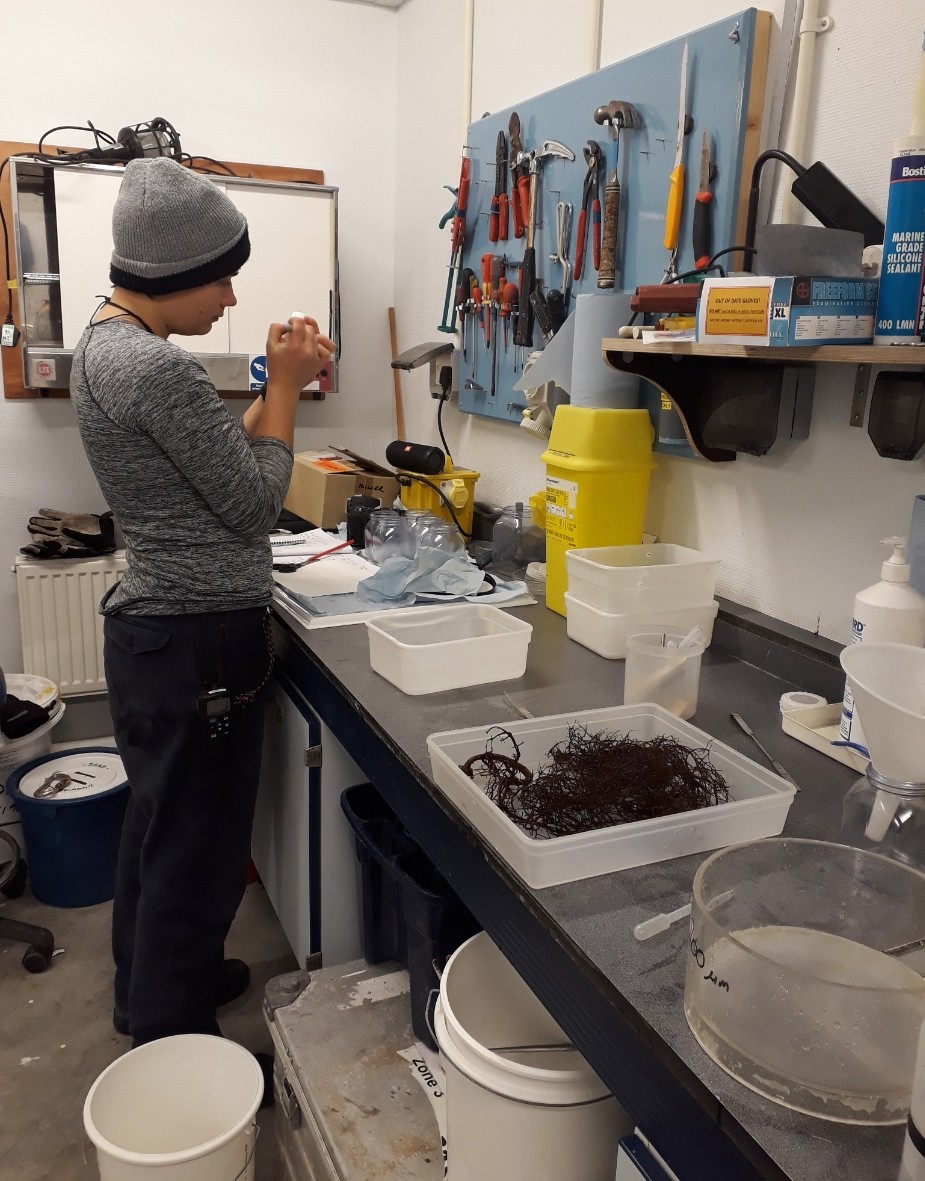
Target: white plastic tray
[(623, 578), (818, 726), (606, 634), (431, 649), (757, 808)]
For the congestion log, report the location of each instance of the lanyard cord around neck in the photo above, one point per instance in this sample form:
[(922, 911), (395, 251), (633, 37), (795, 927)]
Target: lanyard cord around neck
[(127, 311)]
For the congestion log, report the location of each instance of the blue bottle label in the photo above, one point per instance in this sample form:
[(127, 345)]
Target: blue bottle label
[(900, 310)]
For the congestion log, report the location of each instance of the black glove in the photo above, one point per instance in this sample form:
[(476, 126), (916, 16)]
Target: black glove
[(57, 534)]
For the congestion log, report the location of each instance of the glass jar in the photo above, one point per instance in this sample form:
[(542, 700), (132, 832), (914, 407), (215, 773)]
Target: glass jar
[(419, 520), (886, 816), (445, 537), (388, 535), (516, 541)]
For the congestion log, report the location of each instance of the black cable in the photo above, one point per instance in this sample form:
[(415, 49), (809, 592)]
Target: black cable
[(446, 447), (73, 157), (712, 265), (406, 477), (752, 217), (188, 159)]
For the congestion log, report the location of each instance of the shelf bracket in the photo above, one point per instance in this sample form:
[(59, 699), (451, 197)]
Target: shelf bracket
[(859, 401)]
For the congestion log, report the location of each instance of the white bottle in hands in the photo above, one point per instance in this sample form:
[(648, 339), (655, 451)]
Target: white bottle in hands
[(890, 610)]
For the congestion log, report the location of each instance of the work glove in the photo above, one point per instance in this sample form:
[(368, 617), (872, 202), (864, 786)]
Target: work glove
[(57, 534)]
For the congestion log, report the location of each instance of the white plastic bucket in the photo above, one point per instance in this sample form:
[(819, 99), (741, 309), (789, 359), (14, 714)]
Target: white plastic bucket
[(517, 1116), (178, 1109)]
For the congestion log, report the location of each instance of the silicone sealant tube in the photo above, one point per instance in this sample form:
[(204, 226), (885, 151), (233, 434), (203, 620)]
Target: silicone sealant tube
[(900, 315)]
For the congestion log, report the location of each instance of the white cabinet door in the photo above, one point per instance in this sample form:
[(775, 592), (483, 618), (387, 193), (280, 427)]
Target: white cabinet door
[(302, 844)]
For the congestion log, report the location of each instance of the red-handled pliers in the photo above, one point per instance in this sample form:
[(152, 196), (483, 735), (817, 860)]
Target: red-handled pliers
[(590, 202)]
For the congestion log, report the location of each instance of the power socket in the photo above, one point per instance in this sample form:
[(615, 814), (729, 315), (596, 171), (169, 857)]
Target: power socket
[(9, 336)]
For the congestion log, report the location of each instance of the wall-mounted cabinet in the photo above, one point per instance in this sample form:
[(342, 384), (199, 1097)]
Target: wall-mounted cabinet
[(62, 217)]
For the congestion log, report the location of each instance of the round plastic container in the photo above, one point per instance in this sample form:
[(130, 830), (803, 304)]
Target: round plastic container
[(788, 988), (71, 804), (539, 1112), (178, 1109)]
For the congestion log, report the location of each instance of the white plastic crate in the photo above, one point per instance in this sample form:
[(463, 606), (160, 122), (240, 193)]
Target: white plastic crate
[(606, 634), (430, 649), (758, 805), (624, 578)]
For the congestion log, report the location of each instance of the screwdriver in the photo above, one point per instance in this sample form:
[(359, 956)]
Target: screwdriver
[(508, 299), (486, 297), (475, 295)]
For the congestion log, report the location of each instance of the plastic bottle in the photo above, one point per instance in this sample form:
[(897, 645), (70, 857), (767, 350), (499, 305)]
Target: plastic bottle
[(900, 315), (889, 610)]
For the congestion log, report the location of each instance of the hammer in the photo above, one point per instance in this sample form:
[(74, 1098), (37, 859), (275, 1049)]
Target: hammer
[(523, 331), (617, 114)]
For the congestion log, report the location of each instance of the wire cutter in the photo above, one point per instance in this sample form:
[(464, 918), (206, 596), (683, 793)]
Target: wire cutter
[(590, 204)]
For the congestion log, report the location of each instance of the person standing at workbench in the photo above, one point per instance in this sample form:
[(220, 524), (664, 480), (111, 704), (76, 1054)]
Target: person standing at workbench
[(188, 648)]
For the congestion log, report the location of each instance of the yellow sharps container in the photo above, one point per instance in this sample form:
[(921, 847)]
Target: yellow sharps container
[(598, 466)]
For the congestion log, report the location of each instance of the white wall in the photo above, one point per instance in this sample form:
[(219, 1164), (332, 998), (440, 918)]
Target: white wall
[(798, 533), (374, 98), (304, 83)]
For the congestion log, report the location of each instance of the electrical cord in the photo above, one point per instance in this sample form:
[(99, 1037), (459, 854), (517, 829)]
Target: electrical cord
[(752, 216), (405, 478), (446, 446), (187, 159), (69, 157)]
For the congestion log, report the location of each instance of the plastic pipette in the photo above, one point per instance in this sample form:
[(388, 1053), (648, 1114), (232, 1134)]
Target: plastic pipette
[(660, 922)]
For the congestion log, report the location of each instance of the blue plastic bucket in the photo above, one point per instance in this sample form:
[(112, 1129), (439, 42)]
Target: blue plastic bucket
[(71, 804)]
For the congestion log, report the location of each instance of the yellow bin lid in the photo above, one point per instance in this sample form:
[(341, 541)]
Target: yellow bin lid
[(587, 438)]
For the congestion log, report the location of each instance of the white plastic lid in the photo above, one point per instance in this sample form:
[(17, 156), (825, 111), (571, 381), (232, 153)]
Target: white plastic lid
[(73, 776), (895, 568)]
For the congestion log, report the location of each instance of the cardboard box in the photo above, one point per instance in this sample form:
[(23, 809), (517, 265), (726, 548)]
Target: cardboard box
[(323, 481), (787, 310)]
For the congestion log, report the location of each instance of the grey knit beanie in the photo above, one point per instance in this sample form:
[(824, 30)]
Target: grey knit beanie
[(172, 229)]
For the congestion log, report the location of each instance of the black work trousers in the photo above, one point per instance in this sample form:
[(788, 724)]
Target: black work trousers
[(186, 836)]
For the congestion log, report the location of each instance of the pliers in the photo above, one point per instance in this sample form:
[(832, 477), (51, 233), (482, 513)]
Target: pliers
[(590, 202)]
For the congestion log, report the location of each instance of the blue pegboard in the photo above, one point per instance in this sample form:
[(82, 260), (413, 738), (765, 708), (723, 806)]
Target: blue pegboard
[(719, 83)]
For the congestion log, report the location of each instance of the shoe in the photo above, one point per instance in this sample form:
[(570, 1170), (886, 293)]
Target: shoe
[(266, 1067), (233, 982)]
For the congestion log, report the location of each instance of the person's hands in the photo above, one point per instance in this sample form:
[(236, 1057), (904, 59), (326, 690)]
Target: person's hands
[(296, 354)]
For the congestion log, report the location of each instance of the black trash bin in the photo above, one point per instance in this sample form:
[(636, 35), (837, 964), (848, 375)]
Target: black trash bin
[(436, 923), (379, 838)]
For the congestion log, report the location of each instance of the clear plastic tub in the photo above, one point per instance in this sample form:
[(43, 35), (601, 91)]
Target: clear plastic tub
[(431, 649), (625, 578), (758, 804), (787, 986), (606, 634)]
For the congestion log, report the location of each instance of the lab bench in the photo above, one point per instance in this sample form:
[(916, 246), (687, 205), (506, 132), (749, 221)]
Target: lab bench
[(618, 999)]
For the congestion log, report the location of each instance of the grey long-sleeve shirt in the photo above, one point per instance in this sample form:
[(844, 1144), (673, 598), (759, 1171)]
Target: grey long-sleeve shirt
[(195, 497)]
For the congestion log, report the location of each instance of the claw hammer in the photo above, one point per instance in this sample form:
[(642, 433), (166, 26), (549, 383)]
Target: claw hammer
[(617, 114), (523, 332)]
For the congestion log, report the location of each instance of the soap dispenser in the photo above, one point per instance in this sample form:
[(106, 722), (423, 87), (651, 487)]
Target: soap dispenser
[(890, 610)]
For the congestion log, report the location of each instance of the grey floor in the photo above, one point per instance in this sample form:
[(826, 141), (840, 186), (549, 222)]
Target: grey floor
[(56, 1033)]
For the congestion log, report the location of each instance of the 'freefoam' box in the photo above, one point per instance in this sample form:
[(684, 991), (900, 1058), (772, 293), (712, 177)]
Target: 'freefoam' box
[(323, 481), (791, 310)]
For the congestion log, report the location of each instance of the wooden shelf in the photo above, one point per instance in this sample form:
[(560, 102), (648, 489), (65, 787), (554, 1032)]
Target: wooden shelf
[(862, 354)]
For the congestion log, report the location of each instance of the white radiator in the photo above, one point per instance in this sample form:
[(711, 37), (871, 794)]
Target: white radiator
[(62, 630)]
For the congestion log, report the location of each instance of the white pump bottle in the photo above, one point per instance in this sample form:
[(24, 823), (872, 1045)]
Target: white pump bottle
[(890, 610)]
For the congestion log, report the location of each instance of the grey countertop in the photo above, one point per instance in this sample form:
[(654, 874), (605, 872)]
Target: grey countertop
[(597, 915)]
